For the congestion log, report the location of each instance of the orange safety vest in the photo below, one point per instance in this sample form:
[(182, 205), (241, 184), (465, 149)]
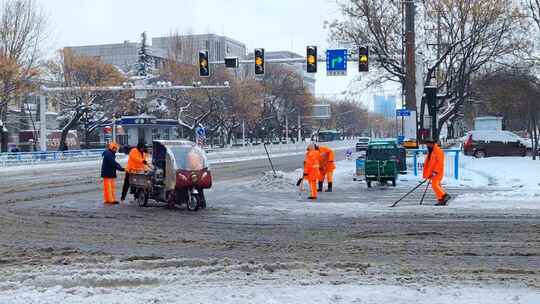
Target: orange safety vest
[(135, 161), (326, 159), (434, 163), (311, 165)]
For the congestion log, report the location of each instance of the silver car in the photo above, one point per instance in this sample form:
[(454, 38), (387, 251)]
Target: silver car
[(362, 144)]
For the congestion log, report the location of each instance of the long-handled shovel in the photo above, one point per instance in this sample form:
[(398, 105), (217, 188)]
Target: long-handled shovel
[(425, 191), (300, 185), (270, 160), (407, 194)]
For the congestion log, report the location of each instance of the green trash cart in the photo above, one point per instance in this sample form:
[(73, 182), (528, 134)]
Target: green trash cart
[(381, 163)]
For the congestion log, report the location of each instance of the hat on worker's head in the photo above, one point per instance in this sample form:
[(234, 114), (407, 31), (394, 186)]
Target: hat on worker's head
[(113, 146), (429, 140)]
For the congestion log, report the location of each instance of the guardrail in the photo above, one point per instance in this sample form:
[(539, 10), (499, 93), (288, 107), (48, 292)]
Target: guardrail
[(278, 148), (417, 158), (31, 158)]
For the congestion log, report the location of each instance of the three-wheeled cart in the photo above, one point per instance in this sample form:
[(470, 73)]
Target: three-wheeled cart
[(180, 173)]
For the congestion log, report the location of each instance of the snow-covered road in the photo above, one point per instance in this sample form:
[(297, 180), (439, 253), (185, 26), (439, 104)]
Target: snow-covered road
[(261, 241)]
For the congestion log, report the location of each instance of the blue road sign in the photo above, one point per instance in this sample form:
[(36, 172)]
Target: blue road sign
[(201, 132), (336, 62), (403, 112)]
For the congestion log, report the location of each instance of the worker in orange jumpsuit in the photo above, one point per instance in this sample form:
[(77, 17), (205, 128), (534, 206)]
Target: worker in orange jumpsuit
[(311, 169), (136, 163), (434, 170), (327, 167), (109, 166)]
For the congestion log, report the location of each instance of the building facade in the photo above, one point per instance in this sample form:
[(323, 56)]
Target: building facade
[(122, 55), (385, 106), (186, 47)]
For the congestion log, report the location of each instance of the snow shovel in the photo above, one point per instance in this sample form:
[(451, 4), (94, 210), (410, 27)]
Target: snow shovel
[(270, 160), (425, 191), (300, 185), (407, 194)]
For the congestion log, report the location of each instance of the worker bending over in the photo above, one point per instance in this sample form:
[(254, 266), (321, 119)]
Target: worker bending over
[(136, 163), (311, 169), (327, 167)]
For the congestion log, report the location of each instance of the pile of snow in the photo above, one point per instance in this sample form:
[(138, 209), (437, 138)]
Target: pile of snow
[(505, 172), (279, 182)]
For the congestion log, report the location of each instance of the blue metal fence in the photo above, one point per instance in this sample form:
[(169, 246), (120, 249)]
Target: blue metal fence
[(22, 158), (451, 163)]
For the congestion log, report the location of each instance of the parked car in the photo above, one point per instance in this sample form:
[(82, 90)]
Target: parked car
[(495, 143), (362, 144)]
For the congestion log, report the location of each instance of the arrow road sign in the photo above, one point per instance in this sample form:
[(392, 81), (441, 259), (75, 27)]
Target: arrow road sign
[(336, 62)]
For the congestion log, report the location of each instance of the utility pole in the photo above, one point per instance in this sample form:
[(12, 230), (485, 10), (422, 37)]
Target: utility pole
[(410, 64), (243, 133), (43, 122), (286, 129), (299, 128)]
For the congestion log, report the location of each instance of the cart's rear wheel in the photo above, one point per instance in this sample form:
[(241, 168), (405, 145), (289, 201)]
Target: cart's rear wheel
[(141, 197), (393, 182), (192, 202), (368, 183)]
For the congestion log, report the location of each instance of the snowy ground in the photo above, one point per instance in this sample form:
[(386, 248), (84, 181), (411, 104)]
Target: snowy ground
[(492, 184), (262, 241), (198, 282)]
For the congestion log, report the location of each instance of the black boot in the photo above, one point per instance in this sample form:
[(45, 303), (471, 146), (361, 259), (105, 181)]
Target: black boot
[(319, 189), (443, 201), (329, 187)]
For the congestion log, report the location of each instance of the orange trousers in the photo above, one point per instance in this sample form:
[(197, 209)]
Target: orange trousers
[(109, 186), (436, 186), (328, 175), (313, 187)]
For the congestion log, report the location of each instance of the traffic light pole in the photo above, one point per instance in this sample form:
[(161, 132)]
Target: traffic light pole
[(410, 63), (283, 60), (43, 123)]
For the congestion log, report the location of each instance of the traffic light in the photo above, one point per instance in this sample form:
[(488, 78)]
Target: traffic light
[(259, 61), (311, 57), (204, 69), (363, 59)]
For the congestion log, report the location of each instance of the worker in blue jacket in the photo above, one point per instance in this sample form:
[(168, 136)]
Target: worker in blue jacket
[(109, 166)]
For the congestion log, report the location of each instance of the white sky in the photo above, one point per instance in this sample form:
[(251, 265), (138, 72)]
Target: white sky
[(273, 24)]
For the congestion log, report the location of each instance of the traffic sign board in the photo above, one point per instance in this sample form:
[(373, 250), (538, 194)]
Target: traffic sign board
[(403, 112), (336, 62), (201, 132)]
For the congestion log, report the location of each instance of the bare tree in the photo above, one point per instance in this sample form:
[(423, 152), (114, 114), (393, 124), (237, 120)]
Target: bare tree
[(474, 34), (81, 71), (22, 31)]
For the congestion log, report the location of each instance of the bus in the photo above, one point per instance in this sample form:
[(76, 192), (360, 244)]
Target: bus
[(329, 135)]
